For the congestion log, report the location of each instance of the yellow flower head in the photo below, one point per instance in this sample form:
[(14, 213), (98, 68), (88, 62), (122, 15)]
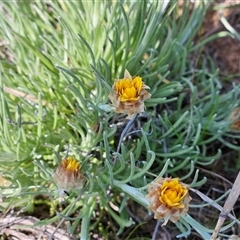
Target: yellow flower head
[(68, 174), (168, 198), (129, 94)]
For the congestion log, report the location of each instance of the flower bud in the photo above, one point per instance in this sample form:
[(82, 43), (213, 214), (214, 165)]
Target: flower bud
[(129, 94), (168, 198), (68, 174)]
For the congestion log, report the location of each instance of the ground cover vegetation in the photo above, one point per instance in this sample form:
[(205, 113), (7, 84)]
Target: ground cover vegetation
[(113, 120)]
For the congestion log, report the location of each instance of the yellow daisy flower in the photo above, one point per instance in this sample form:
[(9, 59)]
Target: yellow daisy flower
[(128, 94), (168, 198)]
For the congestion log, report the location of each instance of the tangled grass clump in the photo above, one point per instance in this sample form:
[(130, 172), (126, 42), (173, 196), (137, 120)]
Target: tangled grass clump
[(58, 65)]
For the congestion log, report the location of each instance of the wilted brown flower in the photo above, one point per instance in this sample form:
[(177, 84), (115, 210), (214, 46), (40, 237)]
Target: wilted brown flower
[(68, 174), (235, 119), (129, 94), (168, 198)]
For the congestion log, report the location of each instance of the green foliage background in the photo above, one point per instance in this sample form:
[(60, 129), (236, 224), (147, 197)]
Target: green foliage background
[(59, 60)]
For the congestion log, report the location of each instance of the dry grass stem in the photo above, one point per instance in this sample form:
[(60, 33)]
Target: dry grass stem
[(228, 206)]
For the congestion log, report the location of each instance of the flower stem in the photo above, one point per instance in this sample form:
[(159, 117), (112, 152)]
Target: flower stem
[(125, 131)]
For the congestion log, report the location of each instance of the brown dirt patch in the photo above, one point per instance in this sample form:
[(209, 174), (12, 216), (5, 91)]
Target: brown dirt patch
[(225, 51)]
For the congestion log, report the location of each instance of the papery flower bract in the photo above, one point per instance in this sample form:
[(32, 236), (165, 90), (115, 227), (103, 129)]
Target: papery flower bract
[(168, 198), (129, 94), (68, 174), (235, 119)]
